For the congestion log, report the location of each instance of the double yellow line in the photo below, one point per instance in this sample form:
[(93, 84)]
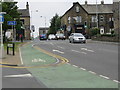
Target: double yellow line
[(63, 60)]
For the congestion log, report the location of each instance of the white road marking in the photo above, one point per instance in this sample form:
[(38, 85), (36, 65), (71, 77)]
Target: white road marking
[(116, 81), (21, 75), (60, 47), (38, 60), (68, 63), (87, 49), (104, 77), (51, 43), (57, 61), (21, 57), (92, 72), (33, 45), (58, 51), (78, 51), (75, 66), (82, 68)]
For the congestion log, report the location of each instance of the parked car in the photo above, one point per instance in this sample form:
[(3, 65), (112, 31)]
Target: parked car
[(60, 36), (43, 37), (77, 37), (51, 37)]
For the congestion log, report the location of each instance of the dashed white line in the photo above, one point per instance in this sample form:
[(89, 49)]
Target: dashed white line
[(92, 72), (82, 68), (21, 57), (78, 51), (75, 66), (116, 81), (104, 77)]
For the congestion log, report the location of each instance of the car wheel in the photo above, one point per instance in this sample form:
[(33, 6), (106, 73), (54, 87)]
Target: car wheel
[(73, 41), (84, 42), (69, 41)]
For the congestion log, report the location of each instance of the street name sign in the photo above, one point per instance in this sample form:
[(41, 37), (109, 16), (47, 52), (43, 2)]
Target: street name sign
[(11, 22)]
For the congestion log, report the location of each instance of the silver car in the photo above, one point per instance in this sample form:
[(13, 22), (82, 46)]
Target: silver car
[(77, 37)]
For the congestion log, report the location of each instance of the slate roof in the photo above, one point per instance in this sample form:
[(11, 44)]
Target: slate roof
[(105, 8), (91, 8), (24, 12)]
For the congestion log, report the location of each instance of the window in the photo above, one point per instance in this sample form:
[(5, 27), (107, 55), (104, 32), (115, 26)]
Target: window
[(94, 19), (78, 19), (101, 18), (69, 20), (77, 9)]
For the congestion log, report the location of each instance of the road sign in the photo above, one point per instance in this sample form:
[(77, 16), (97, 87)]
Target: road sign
[(1, 18), (11, 22)]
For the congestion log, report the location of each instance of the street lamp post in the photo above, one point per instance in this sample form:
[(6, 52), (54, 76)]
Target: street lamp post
[(1, 21), (96, 14), (31, 22), (45, 21)]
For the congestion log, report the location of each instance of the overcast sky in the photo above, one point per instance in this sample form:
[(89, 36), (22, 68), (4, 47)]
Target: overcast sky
[(48, 8)]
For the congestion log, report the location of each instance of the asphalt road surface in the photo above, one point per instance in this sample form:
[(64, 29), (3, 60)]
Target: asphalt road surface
[(19, 78), (97, 57)]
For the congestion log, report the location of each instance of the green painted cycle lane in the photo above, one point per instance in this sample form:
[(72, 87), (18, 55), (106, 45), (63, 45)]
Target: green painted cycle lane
[(32, 57), (67, 76), (64, 75)]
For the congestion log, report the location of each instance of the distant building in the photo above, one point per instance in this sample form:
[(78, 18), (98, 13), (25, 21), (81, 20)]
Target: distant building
[(25, 18), (43, 30), (81, 18)]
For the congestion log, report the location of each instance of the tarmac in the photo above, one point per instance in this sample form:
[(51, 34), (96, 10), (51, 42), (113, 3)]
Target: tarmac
[(16, 60)]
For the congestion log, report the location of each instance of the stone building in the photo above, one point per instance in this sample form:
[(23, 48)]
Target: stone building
[(116, 14), (81, 18), (25, 19)]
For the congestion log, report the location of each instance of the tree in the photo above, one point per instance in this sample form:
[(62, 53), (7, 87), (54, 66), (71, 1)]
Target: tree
[(11, 13), (55, 24)]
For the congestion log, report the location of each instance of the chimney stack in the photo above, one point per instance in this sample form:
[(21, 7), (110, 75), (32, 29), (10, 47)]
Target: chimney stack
[(102, 2), (86, 2), (27, 6)]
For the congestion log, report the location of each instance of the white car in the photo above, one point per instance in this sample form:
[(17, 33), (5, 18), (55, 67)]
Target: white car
[(51, 37), (77, 37)]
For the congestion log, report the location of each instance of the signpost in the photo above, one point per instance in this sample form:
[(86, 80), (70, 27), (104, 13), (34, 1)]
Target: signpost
[(13, 23), (1, 36)]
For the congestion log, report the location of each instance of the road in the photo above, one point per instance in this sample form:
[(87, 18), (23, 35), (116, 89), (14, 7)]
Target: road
[(19, 78), (96, 57)]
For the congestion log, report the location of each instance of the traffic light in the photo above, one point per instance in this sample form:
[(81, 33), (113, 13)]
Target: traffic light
[(85, 25)]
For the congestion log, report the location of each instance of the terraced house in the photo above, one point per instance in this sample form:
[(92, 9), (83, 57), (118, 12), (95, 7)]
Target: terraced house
[(81, 18)]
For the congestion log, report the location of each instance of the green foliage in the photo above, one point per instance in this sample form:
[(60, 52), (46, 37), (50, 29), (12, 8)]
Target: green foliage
[(55, 24), (108, 35), (112, 32), (94, 31), (11, 10)]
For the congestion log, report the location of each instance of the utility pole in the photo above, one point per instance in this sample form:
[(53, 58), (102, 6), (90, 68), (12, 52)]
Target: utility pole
[(2, 46), (96, 14)]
